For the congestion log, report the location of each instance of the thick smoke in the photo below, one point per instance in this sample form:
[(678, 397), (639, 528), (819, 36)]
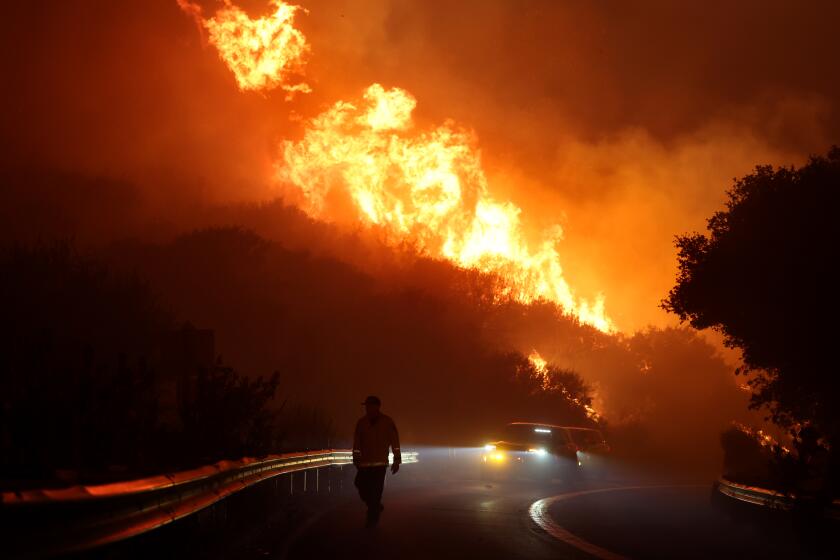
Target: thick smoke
[(623, 122)]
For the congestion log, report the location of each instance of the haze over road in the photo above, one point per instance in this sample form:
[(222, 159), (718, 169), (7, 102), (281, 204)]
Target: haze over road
[(433, 517)]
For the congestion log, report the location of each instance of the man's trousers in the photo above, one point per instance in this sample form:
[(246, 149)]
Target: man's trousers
[(370, 482)]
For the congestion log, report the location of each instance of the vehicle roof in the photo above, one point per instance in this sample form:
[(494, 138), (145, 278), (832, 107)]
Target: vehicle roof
[(552, 426)]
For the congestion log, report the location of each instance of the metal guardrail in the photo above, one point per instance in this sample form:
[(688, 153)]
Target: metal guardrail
[(754, 495), (83, 517), (767, 498)]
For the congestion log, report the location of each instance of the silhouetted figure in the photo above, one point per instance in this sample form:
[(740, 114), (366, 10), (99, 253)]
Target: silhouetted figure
[(375, 433)]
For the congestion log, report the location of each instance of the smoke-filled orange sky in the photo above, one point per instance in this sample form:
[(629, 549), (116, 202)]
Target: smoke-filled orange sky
[(622, 122)]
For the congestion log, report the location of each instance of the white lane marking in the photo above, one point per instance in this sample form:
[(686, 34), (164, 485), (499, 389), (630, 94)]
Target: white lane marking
[(539, 514)]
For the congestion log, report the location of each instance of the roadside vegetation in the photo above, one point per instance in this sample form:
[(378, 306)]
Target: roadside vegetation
[(87, 387), (764, 277)]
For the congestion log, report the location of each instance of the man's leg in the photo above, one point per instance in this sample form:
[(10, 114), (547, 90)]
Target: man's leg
[(377, 484), (374, 482), (362, 483)]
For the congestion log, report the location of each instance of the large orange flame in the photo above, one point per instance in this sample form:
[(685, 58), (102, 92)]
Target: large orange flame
[(539, 363), (429, 188), (262, 53)]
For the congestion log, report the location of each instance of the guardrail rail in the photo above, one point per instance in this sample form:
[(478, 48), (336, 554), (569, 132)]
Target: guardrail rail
[(765, 497), (51, 521)]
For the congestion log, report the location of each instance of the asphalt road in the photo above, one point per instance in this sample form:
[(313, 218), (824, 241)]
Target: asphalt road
[(471, 519), (439, 509)]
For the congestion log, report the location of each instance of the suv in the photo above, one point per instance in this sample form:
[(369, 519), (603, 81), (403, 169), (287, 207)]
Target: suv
[(544, 451)]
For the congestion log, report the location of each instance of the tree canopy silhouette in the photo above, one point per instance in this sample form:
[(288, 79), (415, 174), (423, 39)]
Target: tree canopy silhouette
[(762, 276), (86, 392)]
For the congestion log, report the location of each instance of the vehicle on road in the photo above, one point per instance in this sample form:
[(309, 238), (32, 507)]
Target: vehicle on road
[(545, 451)]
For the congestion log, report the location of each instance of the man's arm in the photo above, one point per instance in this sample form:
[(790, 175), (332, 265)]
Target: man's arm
[(357, 444), (395, 445)]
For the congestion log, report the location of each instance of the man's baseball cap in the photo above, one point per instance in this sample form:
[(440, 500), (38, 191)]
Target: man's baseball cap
[(373, 400)]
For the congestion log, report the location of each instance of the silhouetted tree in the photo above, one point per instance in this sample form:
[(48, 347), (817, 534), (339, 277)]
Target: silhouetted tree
[(762, 276), (80, 390), (76, 387), (230, 416), (745, 459)]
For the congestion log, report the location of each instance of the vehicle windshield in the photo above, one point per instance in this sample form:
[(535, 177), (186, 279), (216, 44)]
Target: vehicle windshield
[(530, 433), (585, 438)]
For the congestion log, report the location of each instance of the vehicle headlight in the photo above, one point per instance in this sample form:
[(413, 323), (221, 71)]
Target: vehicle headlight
[(489, 447), (498, 456), (540, 451)]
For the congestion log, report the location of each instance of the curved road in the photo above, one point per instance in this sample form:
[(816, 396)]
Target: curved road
[(470, 519)]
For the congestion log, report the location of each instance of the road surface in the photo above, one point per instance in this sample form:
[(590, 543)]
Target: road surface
[(473, 519), (440, 511)]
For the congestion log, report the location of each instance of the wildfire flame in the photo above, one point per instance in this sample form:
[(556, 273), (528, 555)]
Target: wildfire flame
[(262, 53), (538, 362), (429, 188), (763, 438)]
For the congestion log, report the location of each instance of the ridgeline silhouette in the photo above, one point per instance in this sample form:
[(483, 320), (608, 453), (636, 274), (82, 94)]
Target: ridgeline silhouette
[(332, 312)]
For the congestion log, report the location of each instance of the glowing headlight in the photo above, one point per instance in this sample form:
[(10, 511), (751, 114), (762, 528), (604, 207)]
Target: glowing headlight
[(539, 451), (498, 456), (489, 447)]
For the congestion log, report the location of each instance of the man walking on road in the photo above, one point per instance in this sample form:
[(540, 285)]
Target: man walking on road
[(375, 433)]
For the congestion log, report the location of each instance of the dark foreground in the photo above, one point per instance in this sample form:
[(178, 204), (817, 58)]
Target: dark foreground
[(441, 513), (492, 520)]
